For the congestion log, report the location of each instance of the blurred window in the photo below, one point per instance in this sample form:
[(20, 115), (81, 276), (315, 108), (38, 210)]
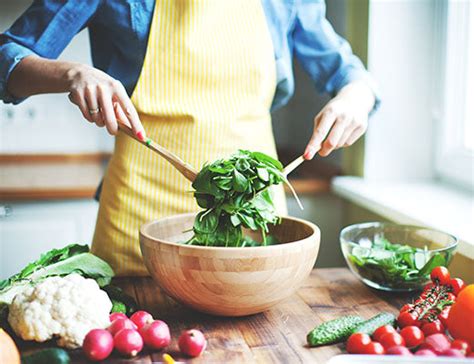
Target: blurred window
[(454, 161)]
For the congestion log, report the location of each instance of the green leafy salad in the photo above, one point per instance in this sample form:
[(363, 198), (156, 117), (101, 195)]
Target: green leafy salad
[(395, 265), (234, 194)]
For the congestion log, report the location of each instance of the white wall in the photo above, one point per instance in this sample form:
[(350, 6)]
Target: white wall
[(48, 123)]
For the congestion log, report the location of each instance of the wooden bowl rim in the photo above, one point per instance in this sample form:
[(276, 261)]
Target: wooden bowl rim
[(315, 230)]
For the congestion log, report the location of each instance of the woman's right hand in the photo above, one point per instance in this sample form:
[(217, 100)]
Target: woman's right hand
[(96, 93)]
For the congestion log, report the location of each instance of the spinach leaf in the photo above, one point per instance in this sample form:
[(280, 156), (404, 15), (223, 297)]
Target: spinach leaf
[(234, 194)]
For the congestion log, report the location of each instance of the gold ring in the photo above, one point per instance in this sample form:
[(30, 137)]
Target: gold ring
[(94, 111)]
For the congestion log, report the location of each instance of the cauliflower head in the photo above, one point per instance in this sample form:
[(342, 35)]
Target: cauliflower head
[(66, 308)]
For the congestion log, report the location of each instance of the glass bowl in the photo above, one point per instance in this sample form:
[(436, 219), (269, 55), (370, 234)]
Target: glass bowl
[(394, 257)]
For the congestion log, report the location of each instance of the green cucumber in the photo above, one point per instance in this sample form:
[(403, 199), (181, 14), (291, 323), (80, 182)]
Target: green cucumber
[(333, 331), (47, 356), (369, 326)]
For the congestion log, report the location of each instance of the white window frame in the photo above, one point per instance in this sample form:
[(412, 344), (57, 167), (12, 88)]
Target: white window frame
[(453, 162)]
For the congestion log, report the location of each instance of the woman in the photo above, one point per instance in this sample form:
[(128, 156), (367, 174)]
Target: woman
[(199, 77)]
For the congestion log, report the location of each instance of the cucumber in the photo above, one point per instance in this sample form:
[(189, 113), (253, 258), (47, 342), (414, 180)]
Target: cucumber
[(369, 326), (333, 331), (47, 356)]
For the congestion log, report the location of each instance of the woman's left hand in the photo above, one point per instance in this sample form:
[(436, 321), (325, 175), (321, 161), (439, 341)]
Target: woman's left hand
[(342, 121)]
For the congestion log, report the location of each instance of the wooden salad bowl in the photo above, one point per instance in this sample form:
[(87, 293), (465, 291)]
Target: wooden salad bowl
[(228, 281)]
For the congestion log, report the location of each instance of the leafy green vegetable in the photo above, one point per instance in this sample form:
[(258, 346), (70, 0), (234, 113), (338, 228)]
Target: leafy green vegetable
[(395, 265), (121, 302), (234, 194), (73, 258)]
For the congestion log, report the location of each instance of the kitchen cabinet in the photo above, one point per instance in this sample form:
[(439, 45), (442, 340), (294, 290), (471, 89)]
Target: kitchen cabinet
[(28, 229)]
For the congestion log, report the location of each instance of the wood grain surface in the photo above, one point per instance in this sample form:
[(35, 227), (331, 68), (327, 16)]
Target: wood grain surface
[(275, 336)]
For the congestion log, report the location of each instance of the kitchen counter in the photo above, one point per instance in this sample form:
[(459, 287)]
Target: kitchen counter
[(275, 336)]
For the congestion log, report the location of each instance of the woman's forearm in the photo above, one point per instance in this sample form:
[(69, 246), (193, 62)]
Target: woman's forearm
[(35, 75), (95, 93)]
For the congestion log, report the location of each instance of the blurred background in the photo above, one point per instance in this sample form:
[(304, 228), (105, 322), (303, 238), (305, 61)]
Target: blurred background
[(415, 164)]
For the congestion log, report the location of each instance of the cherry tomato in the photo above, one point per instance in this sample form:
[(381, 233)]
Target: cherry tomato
[(381, 331), (457, 285), (408, 319), (440, 275), (450, 296), (430, 328), (406, 307), (392, 339), (428, 287), (443, 316), (462, 345), (374, 348), (413, 336), (357, 342)]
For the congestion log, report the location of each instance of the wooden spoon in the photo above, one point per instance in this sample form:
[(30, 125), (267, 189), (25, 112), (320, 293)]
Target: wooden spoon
[(184, 168)]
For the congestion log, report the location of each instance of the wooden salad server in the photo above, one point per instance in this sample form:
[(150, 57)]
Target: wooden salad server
[(184, 168)]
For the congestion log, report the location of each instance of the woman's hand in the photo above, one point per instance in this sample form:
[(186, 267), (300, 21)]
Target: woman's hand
[(96, 93), (342, 121)]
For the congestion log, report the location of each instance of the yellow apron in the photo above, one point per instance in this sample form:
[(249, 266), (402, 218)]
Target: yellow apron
[(205, 90)]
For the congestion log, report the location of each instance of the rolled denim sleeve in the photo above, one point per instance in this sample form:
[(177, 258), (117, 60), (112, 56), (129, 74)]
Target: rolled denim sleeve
[(44, 29), (326, 56)]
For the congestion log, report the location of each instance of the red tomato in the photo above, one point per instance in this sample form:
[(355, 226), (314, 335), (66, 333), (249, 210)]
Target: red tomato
[(357, 342), (413, 336), (406, 307), (451, 297), (430, 328), (462, 345), (374, 348), (443, 316), (457, 285), (440, 275), (428, 287), (408, 319), (381, 331), (392, 339)]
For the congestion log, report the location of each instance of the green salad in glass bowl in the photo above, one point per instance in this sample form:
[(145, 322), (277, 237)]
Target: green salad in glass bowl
[(394, 257)]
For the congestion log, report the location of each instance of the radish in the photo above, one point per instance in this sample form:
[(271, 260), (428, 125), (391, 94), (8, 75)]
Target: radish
[(98, 344), (192, 343), (128, 342), (156, 334), (437, 343), (399, 350), (120, 324), (116, 315), (141, 318), (453, 352), (425, 352)]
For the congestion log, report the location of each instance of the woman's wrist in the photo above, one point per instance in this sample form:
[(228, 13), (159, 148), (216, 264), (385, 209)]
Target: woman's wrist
[(360, 94)]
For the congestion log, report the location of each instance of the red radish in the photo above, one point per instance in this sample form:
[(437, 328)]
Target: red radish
[(453, 352), (141, 318), (156, 334), (192, 342), (462, 345), (117, 315), (470, 355), (128, 342), (413, 336), (399, 350), (437, 343), (381, 331), (120, 324), (425, 352), (98, 344), (430, 328)]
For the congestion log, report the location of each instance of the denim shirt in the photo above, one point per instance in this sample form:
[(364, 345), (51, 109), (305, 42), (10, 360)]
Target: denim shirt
[(119, 29)]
